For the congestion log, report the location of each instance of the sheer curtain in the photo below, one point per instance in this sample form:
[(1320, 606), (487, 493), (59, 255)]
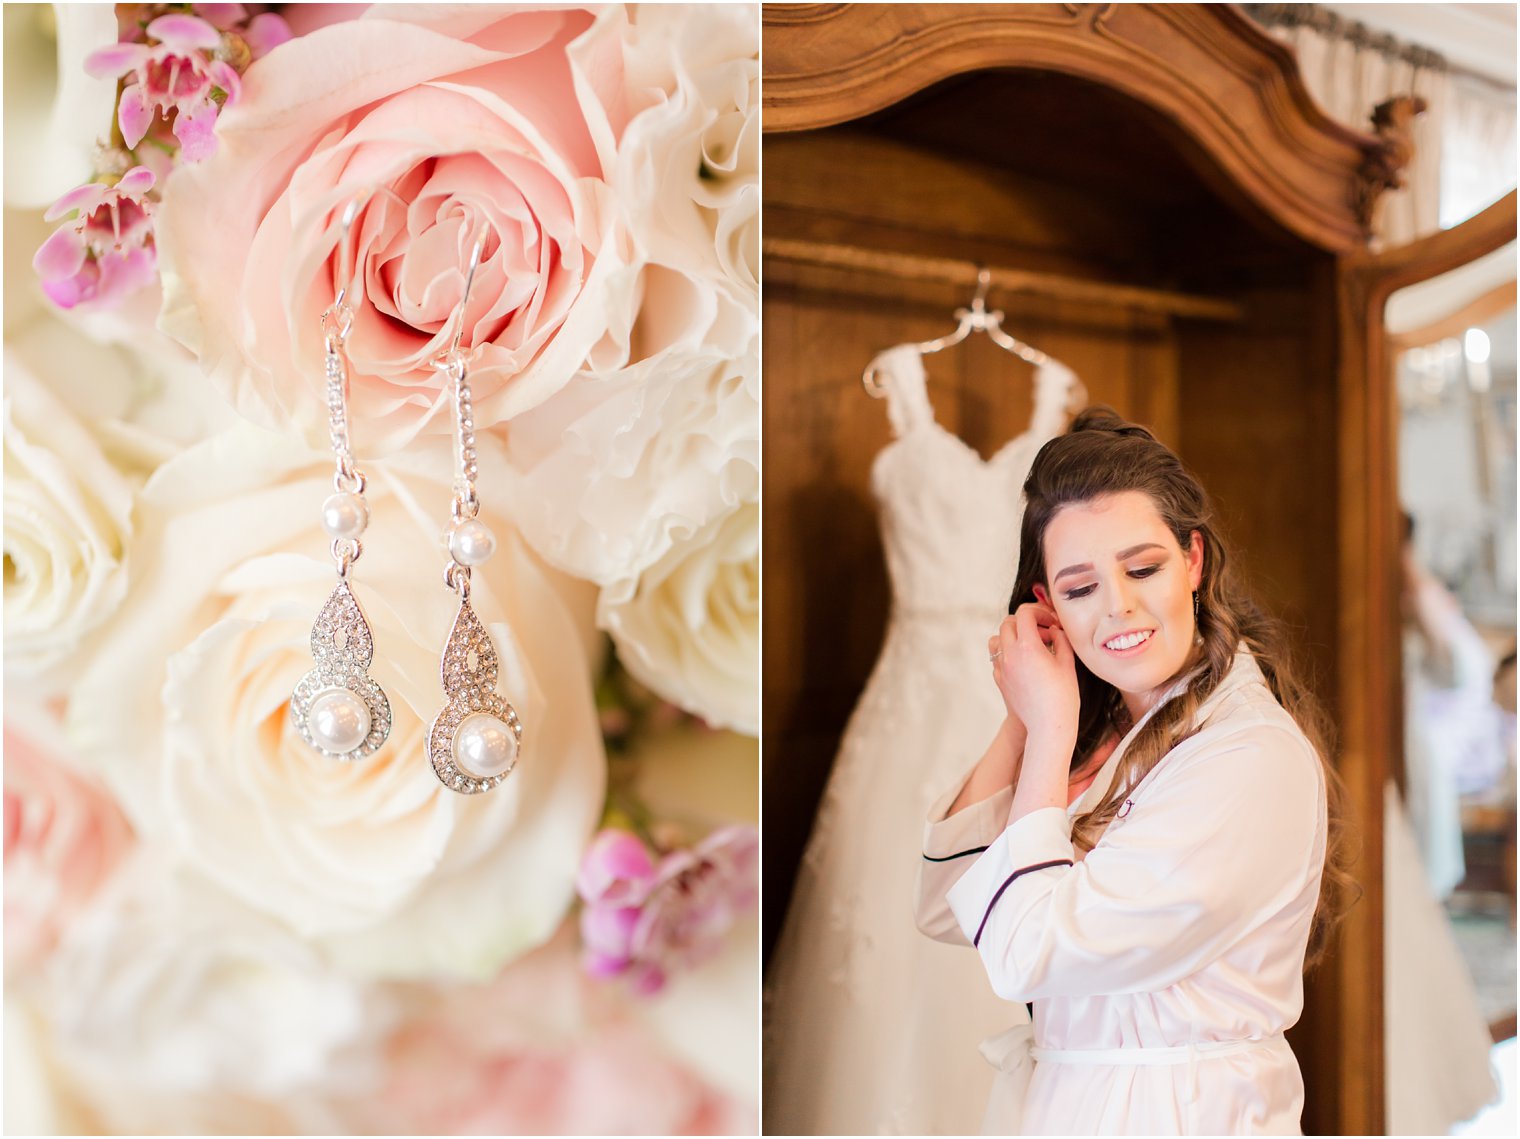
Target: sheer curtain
[(1478, 147), (1350, 69)]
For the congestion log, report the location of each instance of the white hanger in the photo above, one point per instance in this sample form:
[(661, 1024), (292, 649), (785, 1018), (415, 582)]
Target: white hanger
[(977, 318)]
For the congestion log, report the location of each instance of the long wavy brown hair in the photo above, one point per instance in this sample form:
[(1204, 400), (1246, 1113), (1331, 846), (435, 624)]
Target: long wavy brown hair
[(1104, 455)]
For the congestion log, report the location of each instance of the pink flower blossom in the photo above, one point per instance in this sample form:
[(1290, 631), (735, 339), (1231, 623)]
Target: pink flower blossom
[(103, 253), (642, 920), (174, 76)]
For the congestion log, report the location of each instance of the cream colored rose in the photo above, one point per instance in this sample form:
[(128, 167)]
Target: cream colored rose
[(689, 626), (68, 523), (186, 712)]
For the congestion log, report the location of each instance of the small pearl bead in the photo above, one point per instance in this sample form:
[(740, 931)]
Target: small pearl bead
[(338, 720), (472, 543), (344, 515), (484, 746)]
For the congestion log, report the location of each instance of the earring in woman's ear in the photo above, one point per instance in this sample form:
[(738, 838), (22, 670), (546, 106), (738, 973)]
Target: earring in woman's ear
[(1195, 605)]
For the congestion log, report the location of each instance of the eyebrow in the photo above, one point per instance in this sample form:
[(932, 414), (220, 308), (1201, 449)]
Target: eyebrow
[(1086, 567)]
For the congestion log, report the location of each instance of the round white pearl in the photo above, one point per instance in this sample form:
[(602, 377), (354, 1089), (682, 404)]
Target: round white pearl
[(344, 515), (471, 543), (484, 746), (338, 720)]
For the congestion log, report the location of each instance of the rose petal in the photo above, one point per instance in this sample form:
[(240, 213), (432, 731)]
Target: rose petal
[(134, 115), (184, 33)]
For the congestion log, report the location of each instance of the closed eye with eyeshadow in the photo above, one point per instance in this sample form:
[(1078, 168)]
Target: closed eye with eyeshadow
[(1140, 574)]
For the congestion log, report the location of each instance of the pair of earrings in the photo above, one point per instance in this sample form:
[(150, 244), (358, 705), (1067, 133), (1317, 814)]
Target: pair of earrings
[(337, 707)]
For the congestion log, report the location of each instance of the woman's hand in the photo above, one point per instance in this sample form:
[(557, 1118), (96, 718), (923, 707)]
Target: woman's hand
[(1035, 670)]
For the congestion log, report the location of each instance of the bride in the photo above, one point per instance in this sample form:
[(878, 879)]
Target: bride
[(1151, 849)]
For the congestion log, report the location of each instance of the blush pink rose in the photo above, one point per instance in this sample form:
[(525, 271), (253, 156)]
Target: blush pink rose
[(64, 836), (457, 122)]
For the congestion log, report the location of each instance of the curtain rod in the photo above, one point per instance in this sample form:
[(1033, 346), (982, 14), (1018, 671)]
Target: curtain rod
[(956, 272)]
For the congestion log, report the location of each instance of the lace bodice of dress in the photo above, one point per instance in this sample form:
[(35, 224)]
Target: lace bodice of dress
[(949, 518)]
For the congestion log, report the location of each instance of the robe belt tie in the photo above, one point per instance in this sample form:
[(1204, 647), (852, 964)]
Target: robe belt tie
[(1188, 1054)]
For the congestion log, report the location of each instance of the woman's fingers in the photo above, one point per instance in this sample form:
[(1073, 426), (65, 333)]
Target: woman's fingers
[(1061, 646)]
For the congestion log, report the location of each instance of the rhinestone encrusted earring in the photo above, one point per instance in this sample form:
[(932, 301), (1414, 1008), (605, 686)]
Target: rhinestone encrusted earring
[(474, 742), (337, 707)]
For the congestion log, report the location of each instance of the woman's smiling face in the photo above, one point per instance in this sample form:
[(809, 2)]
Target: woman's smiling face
[(1123, 591)]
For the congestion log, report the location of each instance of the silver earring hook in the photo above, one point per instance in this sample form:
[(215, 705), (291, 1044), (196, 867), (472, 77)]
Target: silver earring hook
[(340, 316), (345, 228), (476, 252)]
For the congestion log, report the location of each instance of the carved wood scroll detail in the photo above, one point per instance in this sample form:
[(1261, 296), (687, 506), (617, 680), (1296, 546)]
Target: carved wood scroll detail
[(1235, 93)]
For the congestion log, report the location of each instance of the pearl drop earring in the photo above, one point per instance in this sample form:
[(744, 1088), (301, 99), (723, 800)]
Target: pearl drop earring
[(337, 707), (473, 743)]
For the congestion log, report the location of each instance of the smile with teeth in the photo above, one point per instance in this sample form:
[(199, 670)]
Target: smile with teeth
[(1128, 640)]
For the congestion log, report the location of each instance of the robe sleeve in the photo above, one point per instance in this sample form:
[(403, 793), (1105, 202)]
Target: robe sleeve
[(951, 844), (1212, 847)]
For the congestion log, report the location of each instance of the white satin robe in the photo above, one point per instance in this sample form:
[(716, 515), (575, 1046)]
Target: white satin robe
[(1185, 927)]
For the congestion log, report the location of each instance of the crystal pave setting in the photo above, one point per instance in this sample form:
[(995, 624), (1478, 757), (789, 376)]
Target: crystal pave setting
[(343, 648), (469, 679)]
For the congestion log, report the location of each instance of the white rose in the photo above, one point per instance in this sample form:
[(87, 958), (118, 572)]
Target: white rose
[(67, 528), (186, 711), (171, 989), (689, 626), (616, 470), (56, 114), (690, 155)]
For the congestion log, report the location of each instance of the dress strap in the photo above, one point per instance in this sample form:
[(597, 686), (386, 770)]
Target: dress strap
[(900, 372), (1054, 386)]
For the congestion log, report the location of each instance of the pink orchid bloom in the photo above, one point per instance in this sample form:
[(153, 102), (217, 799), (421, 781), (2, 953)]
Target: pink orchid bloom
[(174, 76), (103, 253), (641, 921)]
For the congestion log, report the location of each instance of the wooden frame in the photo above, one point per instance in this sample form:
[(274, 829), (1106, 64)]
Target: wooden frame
[(1371, 701)]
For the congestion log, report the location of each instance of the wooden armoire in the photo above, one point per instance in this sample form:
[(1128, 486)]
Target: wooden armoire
[(1161, 206)]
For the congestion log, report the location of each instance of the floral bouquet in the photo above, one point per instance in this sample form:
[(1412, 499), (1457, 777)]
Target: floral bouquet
[(212, 923)]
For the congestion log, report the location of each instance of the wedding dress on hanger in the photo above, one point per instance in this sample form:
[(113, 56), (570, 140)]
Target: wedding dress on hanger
[(869, 1024)]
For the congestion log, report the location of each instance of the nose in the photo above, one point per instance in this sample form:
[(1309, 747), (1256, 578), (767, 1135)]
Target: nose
[(1120, 602)]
